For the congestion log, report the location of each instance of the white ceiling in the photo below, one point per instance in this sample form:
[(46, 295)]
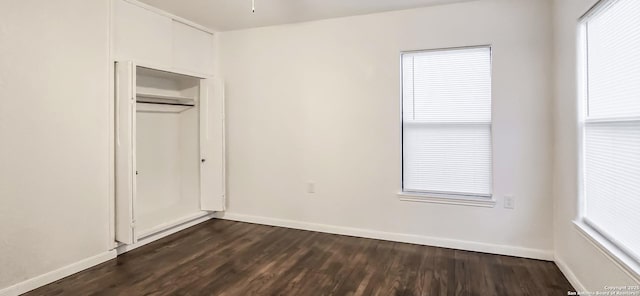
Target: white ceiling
[(224, 15)]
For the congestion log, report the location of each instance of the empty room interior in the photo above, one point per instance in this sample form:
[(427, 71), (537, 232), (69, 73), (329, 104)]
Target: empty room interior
[(320, 147)]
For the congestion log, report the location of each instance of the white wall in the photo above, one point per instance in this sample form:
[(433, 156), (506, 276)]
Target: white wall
[(586, 266), (320, 101), (54, 135)]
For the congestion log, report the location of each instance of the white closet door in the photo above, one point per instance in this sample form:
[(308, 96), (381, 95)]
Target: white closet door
[(125, 152), (212, 194)]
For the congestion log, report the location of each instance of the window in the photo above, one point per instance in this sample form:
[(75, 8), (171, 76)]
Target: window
[(610, 121), (446, 122)]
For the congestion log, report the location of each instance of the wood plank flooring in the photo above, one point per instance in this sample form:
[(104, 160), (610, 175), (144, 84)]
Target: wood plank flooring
[(230, 258)]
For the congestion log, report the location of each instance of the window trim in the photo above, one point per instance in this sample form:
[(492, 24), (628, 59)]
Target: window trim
[(455, 198), (627, 264), (447, 198), (605, 244)]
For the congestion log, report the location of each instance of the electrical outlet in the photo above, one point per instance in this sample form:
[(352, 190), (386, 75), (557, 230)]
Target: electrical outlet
[(509, 202), (311, 187)]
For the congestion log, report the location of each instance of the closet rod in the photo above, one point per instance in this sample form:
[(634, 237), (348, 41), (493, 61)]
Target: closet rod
[(162, 103)]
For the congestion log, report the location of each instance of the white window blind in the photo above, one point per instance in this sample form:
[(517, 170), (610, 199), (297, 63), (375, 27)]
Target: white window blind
[(447, 121), (611, 148)]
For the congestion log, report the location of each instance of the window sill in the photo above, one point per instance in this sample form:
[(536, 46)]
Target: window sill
[(486, 202), (628, 264)]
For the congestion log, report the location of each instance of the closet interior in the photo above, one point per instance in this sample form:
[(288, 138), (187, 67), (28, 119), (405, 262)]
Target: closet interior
[(161, 150), (168, 162)]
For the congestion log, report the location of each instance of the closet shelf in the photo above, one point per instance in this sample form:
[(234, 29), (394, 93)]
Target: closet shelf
[(163, 104), (164, 100)]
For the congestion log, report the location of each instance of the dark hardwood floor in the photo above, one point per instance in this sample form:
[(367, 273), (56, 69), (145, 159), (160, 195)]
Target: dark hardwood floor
[(230, 258)]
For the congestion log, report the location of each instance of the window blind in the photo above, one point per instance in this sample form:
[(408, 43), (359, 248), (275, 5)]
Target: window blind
[(611, 150), (613, 46), (447, 121)]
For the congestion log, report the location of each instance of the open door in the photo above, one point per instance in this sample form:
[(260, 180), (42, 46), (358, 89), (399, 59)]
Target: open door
[(125, 112), (212, 164)]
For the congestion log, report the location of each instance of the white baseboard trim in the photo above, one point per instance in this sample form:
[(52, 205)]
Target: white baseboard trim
[(568, 273), (57, 274), (397, 237), (165, 232)]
